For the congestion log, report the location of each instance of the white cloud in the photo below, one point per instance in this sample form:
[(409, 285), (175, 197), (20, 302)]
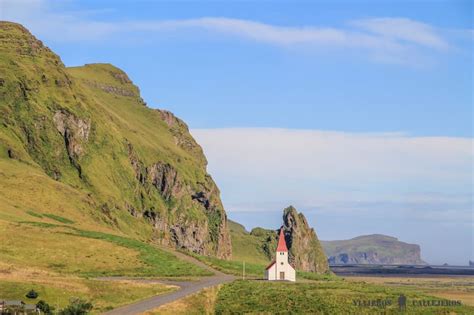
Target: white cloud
[(371, 33), (337, 155), (337, 172), (394, 40), (255, 30), (404, 30)]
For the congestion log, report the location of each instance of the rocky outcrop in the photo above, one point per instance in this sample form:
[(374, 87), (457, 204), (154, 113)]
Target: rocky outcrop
[(190, 236), (305, 251), (74, 130), (111, 89), (206, 237), (373, 249), (165, 178)]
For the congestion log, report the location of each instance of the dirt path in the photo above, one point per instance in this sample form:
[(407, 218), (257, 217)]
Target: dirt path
[(185, 288)]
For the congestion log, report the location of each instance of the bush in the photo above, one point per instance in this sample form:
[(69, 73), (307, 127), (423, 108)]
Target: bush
[(44, 307), (32, 294), (77, 307)]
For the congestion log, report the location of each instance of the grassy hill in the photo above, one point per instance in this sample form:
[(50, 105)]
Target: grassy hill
[(246, 246), (94, 182), (133, 169), (372, 249)]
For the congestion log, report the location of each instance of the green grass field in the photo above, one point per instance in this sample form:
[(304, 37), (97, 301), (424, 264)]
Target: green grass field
[(320, 297), (60, 262), (233, 267), (103, 295), (254, 270), (246, 247), (106, 255)]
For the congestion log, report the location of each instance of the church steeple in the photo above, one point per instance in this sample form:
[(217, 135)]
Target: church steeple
[(281, 242), (280, 269)]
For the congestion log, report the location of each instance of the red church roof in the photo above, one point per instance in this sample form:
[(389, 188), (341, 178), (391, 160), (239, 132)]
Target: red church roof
[(281, 243), (271, 264)]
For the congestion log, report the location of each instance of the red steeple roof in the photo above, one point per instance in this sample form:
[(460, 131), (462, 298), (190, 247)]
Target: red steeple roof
[(281, 242)]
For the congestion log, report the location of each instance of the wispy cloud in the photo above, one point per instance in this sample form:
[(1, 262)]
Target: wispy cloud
[(372, 33), (339, 155), (261, 169), (404, 30), (395, 40)]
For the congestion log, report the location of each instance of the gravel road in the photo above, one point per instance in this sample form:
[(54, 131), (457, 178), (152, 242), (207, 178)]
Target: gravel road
[(185, 288)]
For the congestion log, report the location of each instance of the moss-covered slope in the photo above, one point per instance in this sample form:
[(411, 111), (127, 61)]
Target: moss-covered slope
[(138, 170)]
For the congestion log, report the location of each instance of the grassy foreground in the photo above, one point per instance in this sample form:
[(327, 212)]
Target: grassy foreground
[(102, 294), (60, 261), (327, 295), (453, 288), (322, 297), (203, 302), (88, 253)]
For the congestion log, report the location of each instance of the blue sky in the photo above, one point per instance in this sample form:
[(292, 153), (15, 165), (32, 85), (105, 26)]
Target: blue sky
[(359, 113)]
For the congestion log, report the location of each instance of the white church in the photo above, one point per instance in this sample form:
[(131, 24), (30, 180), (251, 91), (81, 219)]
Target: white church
[(280, 268)]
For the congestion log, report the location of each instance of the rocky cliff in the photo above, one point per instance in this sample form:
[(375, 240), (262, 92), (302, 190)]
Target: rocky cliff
[(139, 168), (305, 251), (372, 249)]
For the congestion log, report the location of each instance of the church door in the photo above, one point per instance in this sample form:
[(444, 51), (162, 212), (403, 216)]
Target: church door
[(282, 275)]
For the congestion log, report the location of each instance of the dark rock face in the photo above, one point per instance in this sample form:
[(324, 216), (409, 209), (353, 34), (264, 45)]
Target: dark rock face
[(190, 236), (373, 249), (74, 130), (111, 89), (305, 251), (165, 178), (11, 154), (205, 237)]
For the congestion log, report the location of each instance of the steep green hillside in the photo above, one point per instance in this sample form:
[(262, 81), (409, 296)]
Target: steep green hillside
[(247, 246), (80, 143), (372, 249)]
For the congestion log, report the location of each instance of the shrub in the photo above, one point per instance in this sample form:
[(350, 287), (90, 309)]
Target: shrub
[(44, 307), (32, 294), (77, 307)]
